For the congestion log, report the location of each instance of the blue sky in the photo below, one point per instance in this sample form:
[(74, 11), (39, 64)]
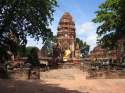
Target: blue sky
[(82, 11)]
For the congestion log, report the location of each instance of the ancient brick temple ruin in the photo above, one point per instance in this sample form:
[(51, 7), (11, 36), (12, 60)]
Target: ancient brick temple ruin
[(66, 37), (118, 53)]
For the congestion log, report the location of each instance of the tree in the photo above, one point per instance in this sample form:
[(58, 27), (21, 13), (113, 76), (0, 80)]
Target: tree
[(48, 47), (22, 18), (33, 57), (84, 47), (80, 42), (23, 51), (111, 19), (28, 50)]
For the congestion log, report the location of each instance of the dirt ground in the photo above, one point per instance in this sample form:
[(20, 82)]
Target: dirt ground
[(63, 81)]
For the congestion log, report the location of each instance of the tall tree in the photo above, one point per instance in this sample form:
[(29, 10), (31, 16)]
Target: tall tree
[(80, 42), (84, 47), (33, 57), (48, 47), (22, 18), (23, 51), (111, 19)]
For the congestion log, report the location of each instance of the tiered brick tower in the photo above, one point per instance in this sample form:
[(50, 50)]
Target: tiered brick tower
[(66, 36)]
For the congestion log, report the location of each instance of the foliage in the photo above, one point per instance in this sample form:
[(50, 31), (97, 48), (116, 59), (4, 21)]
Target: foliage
[(84, 47), (28, 50), (33, 57), (23, 51), (22, 18), (80, 42), (111, 19), (48, 47), (3, 54)]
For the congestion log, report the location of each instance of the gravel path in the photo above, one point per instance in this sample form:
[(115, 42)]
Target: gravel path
[(63, 81), (75, 79)]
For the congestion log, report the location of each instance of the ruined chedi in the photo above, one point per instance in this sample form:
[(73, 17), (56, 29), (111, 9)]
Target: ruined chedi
[(66, 37)]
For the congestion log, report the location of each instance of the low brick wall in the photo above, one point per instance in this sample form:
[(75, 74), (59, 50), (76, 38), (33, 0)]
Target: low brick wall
[(19, 74), (69, 65)]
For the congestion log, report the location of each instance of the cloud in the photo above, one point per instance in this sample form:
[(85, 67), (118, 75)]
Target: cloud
[(87, 32)]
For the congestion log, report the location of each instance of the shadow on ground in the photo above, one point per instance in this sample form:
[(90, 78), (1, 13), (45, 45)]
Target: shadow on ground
[(17, 86)]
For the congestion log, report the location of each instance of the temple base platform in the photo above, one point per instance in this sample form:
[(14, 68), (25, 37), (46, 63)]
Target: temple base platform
[(70, 63)]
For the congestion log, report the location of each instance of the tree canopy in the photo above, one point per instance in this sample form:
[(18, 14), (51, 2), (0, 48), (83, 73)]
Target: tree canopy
[(80, 42), (84, 47), (48, 47), (22, 18), (33, 57), (23, 51), (111, 19)]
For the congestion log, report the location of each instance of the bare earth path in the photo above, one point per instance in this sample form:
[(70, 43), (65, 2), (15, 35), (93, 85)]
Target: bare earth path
[(63, 81)]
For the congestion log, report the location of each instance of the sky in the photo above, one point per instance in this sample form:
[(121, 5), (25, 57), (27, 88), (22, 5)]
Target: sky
[(82, 11)]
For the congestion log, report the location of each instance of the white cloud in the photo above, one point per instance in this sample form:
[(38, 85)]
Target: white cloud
[(87, 32)]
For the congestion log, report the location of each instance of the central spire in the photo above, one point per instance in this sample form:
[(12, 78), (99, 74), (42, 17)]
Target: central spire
[(66, 23), (66, 37), (67, 15)]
